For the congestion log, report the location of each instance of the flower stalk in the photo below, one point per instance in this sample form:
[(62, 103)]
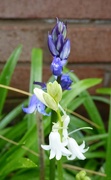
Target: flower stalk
[(40, 134)]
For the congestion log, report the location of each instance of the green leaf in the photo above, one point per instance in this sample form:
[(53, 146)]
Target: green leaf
[(77, 88), (35, 75), (104, 91), (11, 156), (23, 163), (11, 115), (36, 67), (90, 106), (6, 75), (108, 152)]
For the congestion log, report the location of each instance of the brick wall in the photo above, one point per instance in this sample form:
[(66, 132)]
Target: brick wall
[(27, 22)]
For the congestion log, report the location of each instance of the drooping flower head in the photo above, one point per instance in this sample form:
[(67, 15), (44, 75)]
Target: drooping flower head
[(76, 150), (56, 147)]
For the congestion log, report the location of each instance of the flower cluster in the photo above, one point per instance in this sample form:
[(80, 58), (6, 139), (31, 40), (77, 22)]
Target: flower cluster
[(50, 95), (59, 47), (60, 144)]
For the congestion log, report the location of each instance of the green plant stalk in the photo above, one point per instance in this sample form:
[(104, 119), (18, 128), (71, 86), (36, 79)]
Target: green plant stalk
[(61, 123), (108, 153), (52, 169), (60, 169), (52, 161), (40, 135), (59, 163)]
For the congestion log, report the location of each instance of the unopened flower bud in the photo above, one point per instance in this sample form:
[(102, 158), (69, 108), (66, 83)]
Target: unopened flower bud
[(55, 90)]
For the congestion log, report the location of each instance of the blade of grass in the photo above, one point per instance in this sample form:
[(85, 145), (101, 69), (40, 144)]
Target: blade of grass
[(108, 153), (6, 74), (36, 75), (77, 88), (104, 91), (14, 113)]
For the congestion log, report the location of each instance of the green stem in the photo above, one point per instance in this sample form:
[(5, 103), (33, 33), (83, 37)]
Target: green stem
[(52, 169), (60, 169), (41, 151), (52, 161), (59, 163), (61, 123)]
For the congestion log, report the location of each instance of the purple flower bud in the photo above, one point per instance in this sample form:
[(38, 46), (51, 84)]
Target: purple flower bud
[(54, 34), (51, 46), (60, 42), (64, 31), (35, 105), (66, 50), (56, 66), (65, 82), (60, 26)]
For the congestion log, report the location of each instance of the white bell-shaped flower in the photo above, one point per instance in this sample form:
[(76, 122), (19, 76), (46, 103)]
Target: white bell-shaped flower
[(76, 150), (56, 147)]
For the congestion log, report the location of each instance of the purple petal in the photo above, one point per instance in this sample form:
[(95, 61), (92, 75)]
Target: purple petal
[(64, 31), (63, 62), (60, 26), (65, 82), (41, 108), (66, 50), (59, 44), (56, 66), (29, 109), (43, 85), (51, 46), (54, 33), (33, 100), (32, 105)]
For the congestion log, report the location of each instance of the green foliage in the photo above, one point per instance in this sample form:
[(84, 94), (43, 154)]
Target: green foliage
[(5, 76), (19, 141)]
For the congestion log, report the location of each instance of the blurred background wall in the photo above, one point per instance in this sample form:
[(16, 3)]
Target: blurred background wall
[(28, 22)]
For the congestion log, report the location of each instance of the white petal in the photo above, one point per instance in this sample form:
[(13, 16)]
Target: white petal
[(72, 157), (82, 146), (52, 154), (58, 155), (65, 151), (45, 147), (39, 93), (75, 149)]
